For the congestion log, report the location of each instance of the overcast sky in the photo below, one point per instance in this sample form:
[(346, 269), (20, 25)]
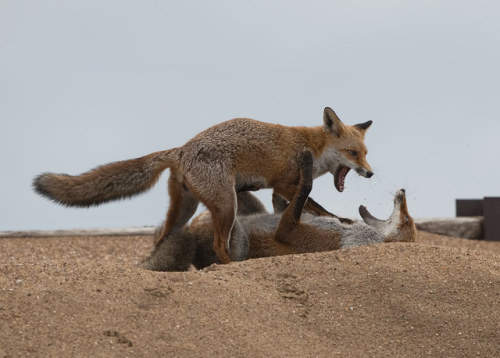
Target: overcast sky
[(83, 83)]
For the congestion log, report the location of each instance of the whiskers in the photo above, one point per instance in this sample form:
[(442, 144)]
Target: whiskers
[(389, 182), (377, 193)]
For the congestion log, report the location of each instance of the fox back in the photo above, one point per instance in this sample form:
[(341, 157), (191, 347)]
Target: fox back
[(262, 155)]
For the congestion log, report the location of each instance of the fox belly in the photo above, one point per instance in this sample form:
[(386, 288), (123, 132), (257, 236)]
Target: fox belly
[(249, 183)]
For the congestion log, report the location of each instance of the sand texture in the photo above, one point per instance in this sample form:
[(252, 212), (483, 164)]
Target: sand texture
[(84, 297)]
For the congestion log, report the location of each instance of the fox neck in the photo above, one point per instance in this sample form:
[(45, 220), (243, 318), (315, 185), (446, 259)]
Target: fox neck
[(324, 156), (391, 226), (315, 138)]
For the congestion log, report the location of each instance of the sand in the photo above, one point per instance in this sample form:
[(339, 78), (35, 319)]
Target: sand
[(83, 297)]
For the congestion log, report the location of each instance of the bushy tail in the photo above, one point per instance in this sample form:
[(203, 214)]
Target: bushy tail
[(108, 182)]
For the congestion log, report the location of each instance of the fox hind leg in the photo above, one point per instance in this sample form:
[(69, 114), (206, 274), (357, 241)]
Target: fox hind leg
[(183, 205), (223, 212)]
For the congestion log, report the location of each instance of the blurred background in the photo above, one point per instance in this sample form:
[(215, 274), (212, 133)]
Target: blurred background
[(83, 83)]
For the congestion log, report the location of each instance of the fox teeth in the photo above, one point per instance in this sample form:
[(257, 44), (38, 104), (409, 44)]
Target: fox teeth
[(339, 177)]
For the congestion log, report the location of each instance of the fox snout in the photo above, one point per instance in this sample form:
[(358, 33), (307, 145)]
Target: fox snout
[(400, 195), (364, 172)]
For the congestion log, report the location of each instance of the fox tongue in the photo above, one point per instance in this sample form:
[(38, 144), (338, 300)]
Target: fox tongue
[(339, 178)]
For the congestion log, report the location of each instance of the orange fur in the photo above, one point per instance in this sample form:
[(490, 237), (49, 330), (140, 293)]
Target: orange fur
[(236, 155)]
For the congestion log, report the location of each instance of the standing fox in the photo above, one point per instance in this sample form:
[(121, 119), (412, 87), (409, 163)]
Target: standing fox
[(259, 234), (237, 155)]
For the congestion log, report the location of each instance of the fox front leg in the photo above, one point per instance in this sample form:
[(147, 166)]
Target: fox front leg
[(290, 219)]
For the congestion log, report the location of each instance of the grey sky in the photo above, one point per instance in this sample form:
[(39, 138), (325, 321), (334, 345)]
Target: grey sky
[(83, 83)]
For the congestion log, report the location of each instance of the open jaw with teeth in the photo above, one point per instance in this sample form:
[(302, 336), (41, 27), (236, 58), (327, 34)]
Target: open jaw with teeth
[(339, 177)]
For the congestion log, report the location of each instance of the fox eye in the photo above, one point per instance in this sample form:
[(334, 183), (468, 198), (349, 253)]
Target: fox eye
[(352, 153)]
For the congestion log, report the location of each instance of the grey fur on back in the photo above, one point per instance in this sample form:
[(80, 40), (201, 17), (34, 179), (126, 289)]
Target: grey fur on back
[(259, 222), (182, 249), (177, 253), (356, 234)]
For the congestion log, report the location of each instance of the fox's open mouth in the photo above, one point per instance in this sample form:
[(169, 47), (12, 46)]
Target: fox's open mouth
[(339, 177)]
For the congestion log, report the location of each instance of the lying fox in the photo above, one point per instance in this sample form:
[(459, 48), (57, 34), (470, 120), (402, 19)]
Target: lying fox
[(259, 234), (237, 155)]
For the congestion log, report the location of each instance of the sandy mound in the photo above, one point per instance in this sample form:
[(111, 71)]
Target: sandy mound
[(83, 297)]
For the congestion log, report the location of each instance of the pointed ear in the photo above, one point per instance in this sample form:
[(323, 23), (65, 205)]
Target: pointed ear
[(332, 123), (370, 219), (363, 127)]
